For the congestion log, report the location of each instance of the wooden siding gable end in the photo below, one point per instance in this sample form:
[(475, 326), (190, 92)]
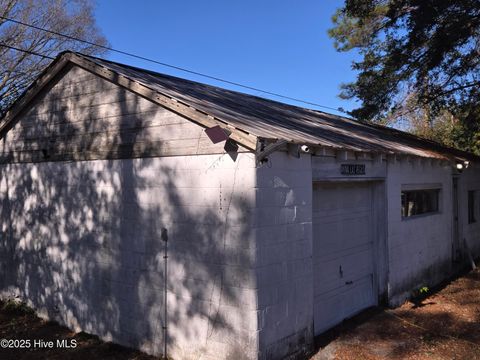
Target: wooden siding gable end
[(244, 139)]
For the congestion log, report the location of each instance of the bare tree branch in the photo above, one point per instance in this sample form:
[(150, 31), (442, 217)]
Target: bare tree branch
[(71, 17)]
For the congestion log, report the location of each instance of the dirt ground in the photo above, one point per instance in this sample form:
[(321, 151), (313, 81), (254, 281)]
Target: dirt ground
[(444, 325), (18, 322)]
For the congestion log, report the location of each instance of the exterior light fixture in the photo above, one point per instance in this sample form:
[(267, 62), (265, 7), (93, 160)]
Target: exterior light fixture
[(305, 149), (462, 165)]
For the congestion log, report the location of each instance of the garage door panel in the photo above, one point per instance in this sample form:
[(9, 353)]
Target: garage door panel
[(342, 303), (327, 277), (334, 273), (358, 296), (342, 233), (326, 313), (343, 252), (359, 261), (353, 196), (342, 248), (334, 213)]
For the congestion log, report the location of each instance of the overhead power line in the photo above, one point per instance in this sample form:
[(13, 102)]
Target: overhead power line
[(163, 64), (27, 51)]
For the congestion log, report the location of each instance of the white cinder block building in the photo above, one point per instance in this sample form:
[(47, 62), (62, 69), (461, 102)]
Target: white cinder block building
[(281, 221)]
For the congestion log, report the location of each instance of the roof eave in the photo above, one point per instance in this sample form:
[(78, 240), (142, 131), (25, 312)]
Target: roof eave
[(55, 67), (203, 119)]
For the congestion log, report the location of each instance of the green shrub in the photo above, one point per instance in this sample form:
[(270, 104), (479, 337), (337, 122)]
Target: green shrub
[(17, 307)]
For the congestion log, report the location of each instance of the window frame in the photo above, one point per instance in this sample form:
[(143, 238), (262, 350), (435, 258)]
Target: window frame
[(437, 190), (471, 207)]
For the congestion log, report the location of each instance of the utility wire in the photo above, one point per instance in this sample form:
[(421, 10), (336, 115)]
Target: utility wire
[(168, 65), (27, 51)]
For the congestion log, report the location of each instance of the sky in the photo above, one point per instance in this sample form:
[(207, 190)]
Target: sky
[(279, 46)]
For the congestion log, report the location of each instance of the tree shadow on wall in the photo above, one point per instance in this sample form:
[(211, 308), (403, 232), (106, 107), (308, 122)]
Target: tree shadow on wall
[(82, 242)]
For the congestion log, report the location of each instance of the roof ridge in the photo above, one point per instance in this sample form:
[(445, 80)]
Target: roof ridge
[(334, 117), (156, 73), (248, 116)]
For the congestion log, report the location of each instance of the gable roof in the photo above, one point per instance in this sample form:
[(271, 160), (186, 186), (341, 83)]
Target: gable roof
[(247, 117)]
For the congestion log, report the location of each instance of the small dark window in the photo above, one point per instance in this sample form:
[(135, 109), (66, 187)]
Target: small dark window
[(418, 202), (471, 207)]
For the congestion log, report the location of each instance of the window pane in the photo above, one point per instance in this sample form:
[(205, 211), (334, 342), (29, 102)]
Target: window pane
[(471, 207), (417, 202)]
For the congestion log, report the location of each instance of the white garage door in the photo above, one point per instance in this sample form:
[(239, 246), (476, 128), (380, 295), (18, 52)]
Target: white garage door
[(343, 244)]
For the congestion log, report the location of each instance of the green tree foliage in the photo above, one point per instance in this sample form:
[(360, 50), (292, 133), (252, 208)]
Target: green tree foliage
[(18, 69), (420, 59)]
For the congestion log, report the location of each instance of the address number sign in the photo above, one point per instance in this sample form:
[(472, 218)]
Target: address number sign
[(352, 169)]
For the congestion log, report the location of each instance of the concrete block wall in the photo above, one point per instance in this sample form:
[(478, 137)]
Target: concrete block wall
[(469, 233), (6, 248), (81, 240), (283, 233), (85, 249), (419, 248)]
